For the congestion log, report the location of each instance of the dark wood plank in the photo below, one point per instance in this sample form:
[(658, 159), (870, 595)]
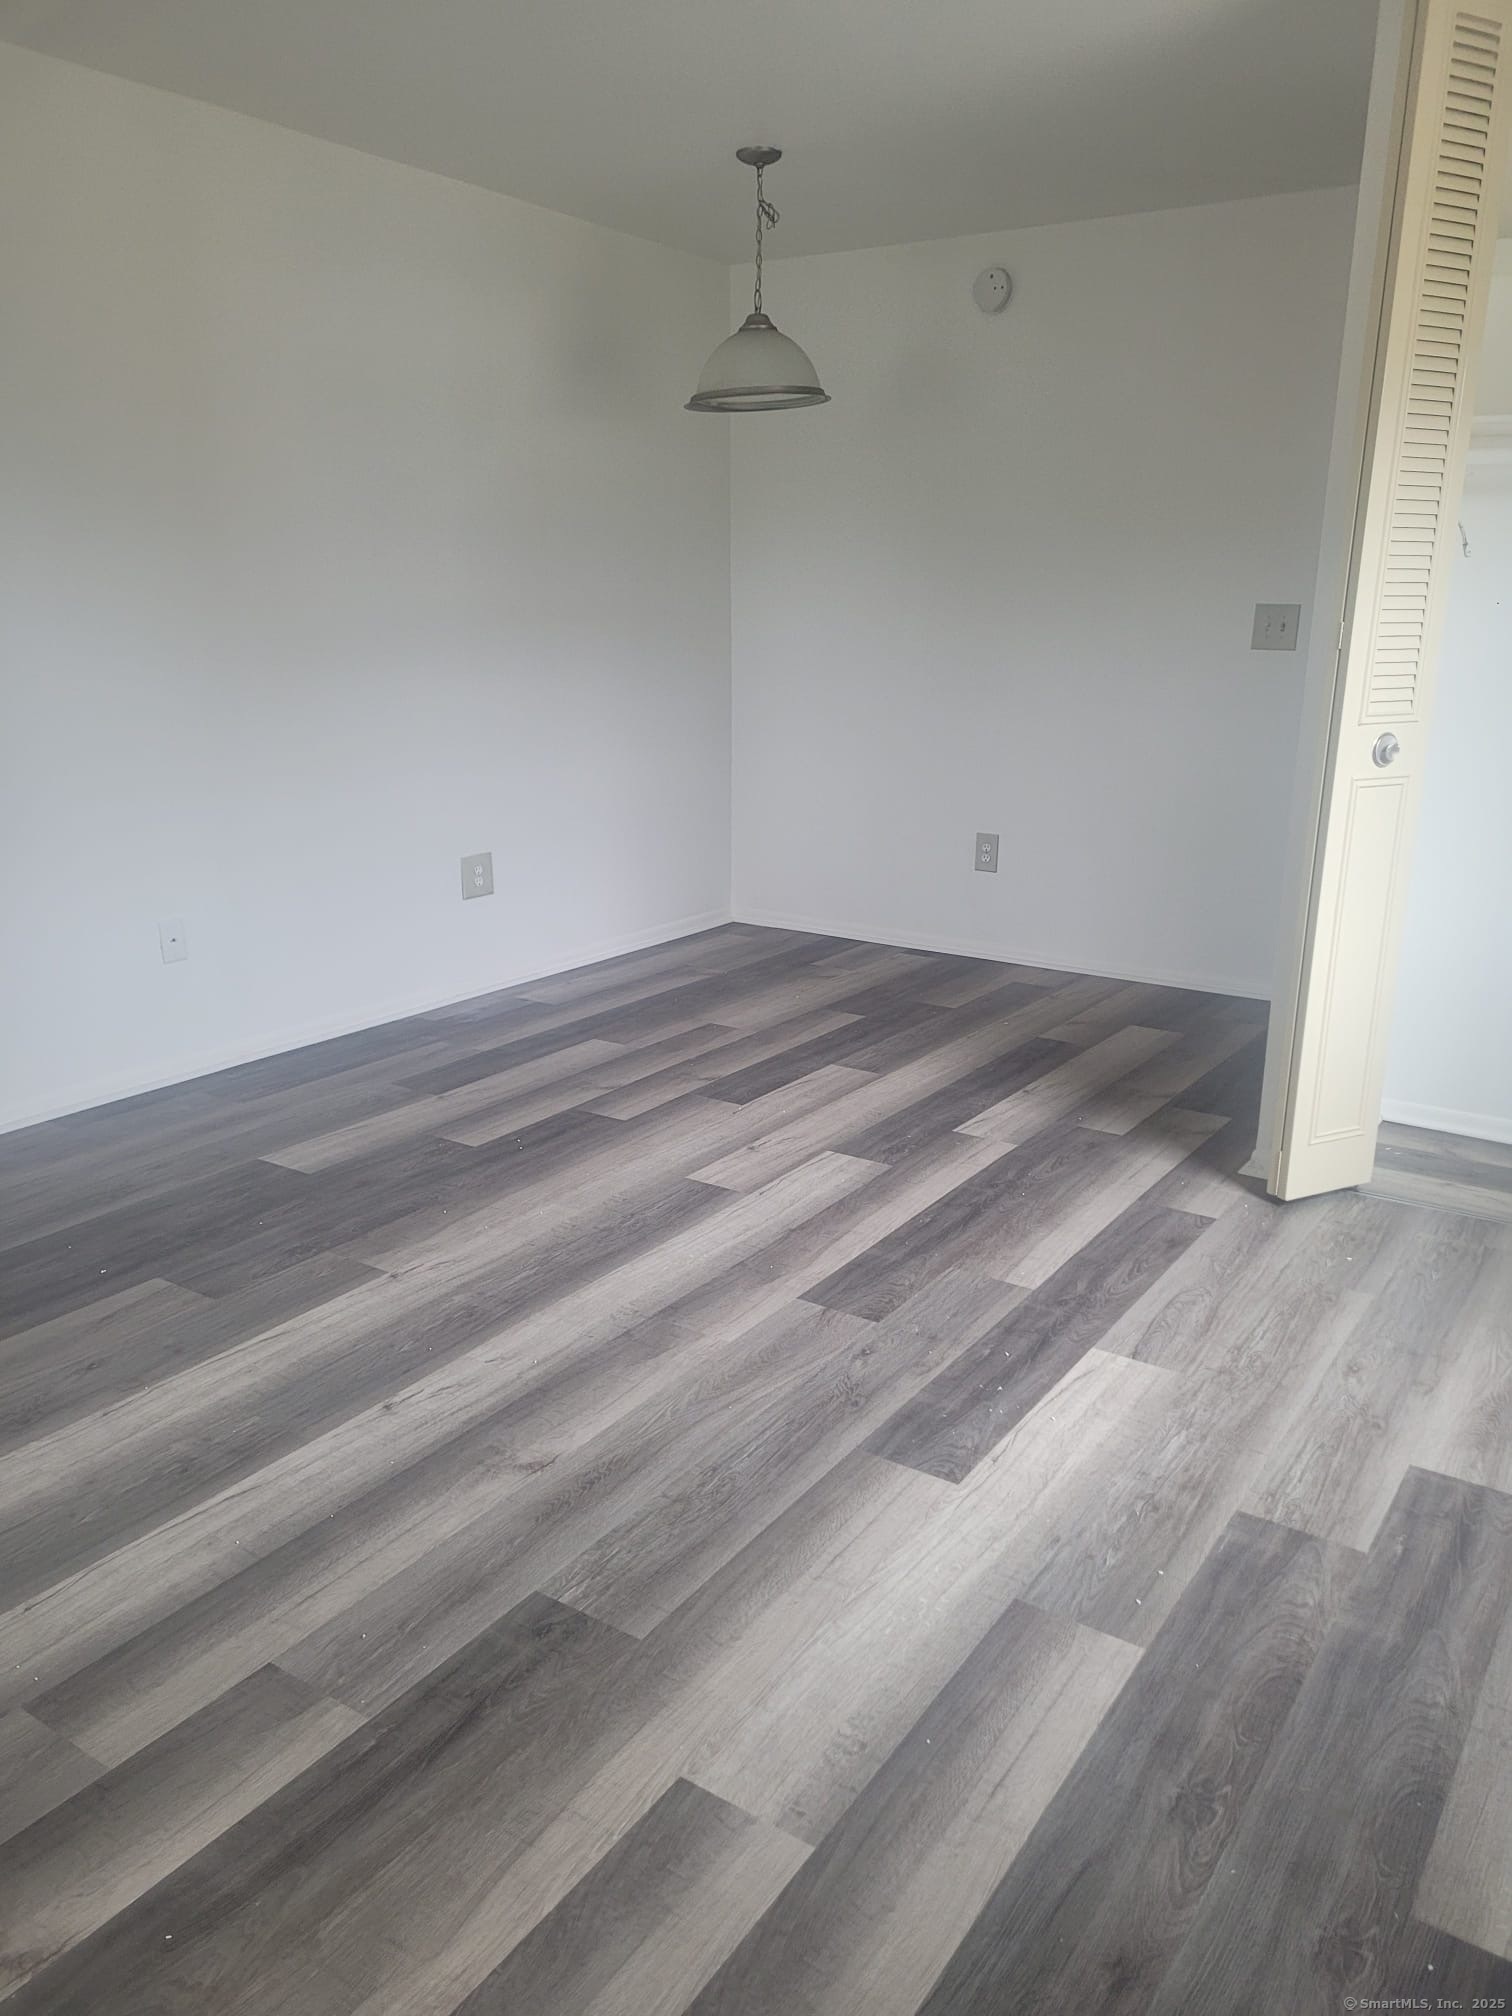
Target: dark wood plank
[(1232, 1087), (38, 1770), (1335, 1840), (332, 1209), (1448, 1158), (1024, 1185), (1105, 1889), (424, 1805), (119, 1249), (873, 1915), (640, 1012), (657, 1400), (818, 1381), (1466, 1886), (123, 1697), (855, 1044), (98, 1482), (1444, 1172), (648, 1923), (818, 1368), (901, 1134), (102, 1352), (140, 1161), (78, 1866), (970, 1405)]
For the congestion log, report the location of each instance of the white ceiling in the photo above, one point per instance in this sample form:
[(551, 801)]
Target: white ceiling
[(902, 119)]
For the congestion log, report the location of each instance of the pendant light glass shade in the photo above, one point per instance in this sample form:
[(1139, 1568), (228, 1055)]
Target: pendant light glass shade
[(758, 369)]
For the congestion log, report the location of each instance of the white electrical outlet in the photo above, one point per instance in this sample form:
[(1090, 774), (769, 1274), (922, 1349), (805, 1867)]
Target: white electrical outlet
[(986, 853), (477, 875), (1276, 626), (173, 940)]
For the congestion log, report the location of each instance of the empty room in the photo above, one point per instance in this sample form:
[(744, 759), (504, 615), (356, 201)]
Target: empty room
[(755, 1079)]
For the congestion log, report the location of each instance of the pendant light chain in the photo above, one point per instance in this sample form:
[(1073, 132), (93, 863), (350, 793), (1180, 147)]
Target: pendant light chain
[(758, 369), (766, 218)]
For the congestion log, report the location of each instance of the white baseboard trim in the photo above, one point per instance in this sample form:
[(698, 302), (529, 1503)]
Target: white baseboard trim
[(975, 948), (1445, 1120), (126, 1084)]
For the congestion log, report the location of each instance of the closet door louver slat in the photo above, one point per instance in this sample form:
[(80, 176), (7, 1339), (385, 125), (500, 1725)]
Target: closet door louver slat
[(1460, 187)]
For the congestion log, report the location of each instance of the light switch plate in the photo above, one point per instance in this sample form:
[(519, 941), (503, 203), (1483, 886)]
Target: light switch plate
[(477, 875), (1276, 626), (173, 940), (986, 853)]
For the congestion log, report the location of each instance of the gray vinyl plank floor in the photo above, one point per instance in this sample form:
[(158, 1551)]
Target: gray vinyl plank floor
[(773, 1476), (1447, 1172)]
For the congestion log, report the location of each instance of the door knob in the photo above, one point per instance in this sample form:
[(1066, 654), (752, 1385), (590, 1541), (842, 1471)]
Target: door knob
[(1386, 750)]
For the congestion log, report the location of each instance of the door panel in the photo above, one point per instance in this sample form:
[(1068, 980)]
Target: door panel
[(1443, 233), (1355, 986)]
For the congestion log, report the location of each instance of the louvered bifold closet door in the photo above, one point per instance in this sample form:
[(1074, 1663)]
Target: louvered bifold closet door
[(1464, 180), (1443, 239)]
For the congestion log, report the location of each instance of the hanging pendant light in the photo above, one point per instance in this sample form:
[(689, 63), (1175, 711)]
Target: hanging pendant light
[(758, 369)]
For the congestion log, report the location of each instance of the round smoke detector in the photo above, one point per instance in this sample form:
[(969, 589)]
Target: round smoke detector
[(990, 290)]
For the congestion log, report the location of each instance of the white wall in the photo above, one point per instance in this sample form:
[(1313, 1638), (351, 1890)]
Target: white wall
[(1493, 378), (349, 522), (1006, 581), (1450, 1063)]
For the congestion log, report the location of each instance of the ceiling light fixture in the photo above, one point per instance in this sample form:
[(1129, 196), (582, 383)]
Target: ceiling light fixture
[(758, 369)]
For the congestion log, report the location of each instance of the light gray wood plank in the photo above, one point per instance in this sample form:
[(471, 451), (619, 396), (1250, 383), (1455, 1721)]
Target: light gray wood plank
[(1367, 1404), (767, 1154), (1064, 1090), (81, 1617), (867, 1924), (1151, 1150), (1165, 1076), (435, 1113), (630, 1064), (601, 1181)]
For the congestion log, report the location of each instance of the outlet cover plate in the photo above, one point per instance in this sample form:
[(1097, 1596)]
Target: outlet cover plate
[(477, 875), (986, 853), (1276, 626)]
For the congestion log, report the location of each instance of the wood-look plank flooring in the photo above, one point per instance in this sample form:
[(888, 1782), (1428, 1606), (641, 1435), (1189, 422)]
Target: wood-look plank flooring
[(1416, 1165), (772, 1476)]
